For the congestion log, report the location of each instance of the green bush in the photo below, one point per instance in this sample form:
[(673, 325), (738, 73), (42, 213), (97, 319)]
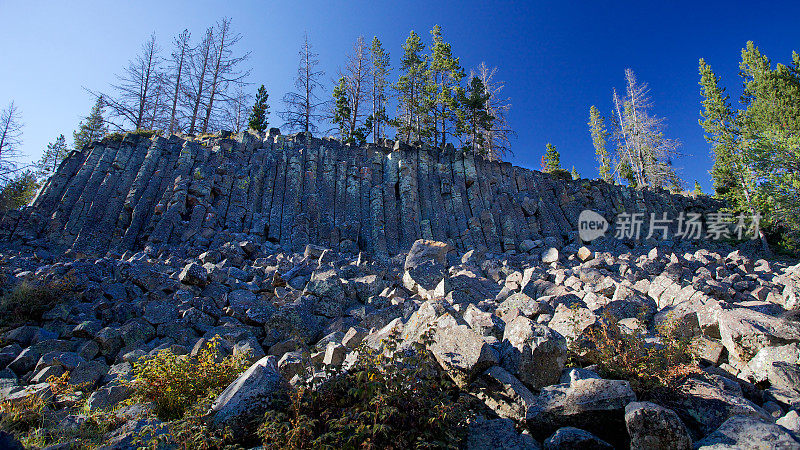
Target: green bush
[(173, 383), (626, 355), (392, 399), (28, 301)]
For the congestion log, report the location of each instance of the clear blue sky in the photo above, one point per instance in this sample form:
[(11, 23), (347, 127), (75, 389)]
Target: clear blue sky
[(557, 60)]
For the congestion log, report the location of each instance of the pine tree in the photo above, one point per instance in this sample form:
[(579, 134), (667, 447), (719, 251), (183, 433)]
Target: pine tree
[(300, 111), (411, 90), (259, 116), (698, 190), (341, 110), (92, 128), (473, 119), (733, 180), (55, 153), (575, 174), (18, 192), (551, 161), (599, 135), (445, 75), (379, 59)]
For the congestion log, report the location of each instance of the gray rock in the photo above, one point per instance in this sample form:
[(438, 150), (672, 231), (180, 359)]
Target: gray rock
[(595, 405), (249, 396), (747, 432), (504, 394), (108, 396), (744, 332), (651, 426), (569, 438), (535, 354), (790, 421), (194, 274), (461, 352), (498, 434)]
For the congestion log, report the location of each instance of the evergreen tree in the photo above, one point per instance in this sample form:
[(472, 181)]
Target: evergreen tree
[(733, 180), (259, 116), (379, 59), (473, 119), (55, 153), (341, 111), (599, 135), (445, 75), (575, 174), (18, 192), (92, 128), (411, 90), (551, 161), (698, 190)]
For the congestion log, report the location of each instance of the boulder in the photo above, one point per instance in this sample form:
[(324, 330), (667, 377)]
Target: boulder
[(569, 438), (535, 353), (652, 427), (503, 393), (748, 432), (595, 405), (744, 332), (425, 269), (249, 396), (460, 351), (498, 434), (194, 274)]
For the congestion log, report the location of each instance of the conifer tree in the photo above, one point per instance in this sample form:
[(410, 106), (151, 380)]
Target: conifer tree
[(575, 174), (301, 106), (341, 110), (379, 59), (599, 135), (92, 128), (411, 90), (551, 161), (698, 190), (445, 77), (55, 152), (473, 119), (18, 191), (259, 116)]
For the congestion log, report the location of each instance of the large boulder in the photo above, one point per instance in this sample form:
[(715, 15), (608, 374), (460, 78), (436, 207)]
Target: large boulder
[(747, 432), (461, 352), (503, 393), (595, 405), (652, 427), (569, 438), (498, 434), (744, 332), (703, 406), (425, 268), (249, 396), (194, 274), (535, 353)]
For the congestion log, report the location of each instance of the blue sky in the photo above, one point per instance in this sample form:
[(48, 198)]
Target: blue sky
[(556, 59)]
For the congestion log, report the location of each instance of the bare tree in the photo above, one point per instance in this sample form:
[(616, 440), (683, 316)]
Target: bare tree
[(135, 87), (178, 66), (641, 145), (497, 138), (357, 81), (226, 73), (199, 69), (10, 140), (301, 107), (236, 110)]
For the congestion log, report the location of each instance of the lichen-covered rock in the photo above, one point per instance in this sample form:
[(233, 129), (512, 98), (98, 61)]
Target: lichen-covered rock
[(747, 432), (535, 353), (249, 396), (651, 426), (461, 352), (574, 438)]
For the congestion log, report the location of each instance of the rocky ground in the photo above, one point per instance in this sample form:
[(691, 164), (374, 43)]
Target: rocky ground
[(514, 330)]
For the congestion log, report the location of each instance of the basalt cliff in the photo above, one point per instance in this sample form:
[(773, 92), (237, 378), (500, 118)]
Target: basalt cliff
[(135, 191)]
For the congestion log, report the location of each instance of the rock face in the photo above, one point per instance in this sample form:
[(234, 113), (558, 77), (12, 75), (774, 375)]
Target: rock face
[(291, 190)]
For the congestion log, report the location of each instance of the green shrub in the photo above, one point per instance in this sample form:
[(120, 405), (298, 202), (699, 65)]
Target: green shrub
[(173, 383), (392, 399), (28, 301), (626, 355)]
